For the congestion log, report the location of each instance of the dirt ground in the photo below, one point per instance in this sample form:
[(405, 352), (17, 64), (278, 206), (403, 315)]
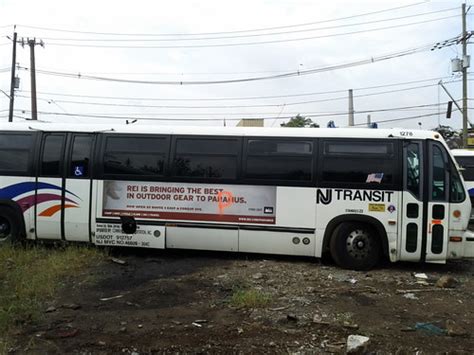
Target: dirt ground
[(181, 301)]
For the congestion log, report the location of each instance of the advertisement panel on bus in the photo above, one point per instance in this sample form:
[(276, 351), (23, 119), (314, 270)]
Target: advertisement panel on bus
[(190, 202)]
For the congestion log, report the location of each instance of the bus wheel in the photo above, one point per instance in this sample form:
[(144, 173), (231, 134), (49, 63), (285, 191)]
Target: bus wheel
[(9, 226), (355, 246)]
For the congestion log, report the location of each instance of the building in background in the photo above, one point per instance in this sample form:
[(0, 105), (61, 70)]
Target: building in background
[(250, 122)]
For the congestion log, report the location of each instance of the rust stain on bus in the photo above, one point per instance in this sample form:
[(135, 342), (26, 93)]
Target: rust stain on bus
[(225, 200)]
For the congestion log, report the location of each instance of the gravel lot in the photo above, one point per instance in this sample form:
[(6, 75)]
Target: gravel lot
[(194, 302)]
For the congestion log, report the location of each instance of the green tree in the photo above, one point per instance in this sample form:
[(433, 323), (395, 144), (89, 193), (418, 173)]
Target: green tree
[(300, 121), (452, 137)]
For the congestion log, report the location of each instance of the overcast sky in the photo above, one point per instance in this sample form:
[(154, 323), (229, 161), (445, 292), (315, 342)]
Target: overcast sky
[(214, 40)]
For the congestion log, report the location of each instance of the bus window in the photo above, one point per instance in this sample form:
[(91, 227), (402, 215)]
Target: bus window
[(438, 185), (15, 153), (206, 158), (457, 193), (131, 155), (413, 169), (80, 158), (274, 159), (52, 155), (467, 164), (348, 163)]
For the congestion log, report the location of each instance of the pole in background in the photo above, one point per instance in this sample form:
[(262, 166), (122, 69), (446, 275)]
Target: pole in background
[(34, 110), (368, 121), (32, 43), (464, 77), (351, 108), (12, 83)]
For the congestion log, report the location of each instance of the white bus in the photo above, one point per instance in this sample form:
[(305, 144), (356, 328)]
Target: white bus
[(465, 159), (358, 194)]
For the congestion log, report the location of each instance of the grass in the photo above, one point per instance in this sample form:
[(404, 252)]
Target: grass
[(30, 276), (250, 298)]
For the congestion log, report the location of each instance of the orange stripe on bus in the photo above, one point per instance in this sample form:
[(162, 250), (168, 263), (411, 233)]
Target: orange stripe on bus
[(53, 209)]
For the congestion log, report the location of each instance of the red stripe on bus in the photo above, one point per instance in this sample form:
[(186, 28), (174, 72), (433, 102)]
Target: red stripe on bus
[(53, 209), (192, 216)]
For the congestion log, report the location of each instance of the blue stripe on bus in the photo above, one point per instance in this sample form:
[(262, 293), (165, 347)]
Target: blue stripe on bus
[(15, 190)]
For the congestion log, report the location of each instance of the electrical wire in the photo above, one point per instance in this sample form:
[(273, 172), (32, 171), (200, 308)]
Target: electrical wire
[(248, 79), (228, 106), (66, 44), (136, 115), (400, 119), (226, 32), (245, 97), (52, 39)]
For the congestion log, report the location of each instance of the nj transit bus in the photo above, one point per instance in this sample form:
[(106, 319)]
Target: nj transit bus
[(358, 194)]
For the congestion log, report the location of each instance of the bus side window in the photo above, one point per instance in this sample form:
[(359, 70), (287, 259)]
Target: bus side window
[(359, 163), (413, 169), (53, 148), (279, 159), (206, 158), (438, 186), (15, 153), (457, 193), (134, 155), (467, 164), (80, 157)]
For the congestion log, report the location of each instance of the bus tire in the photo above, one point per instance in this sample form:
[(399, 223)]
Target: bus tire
[(9, 226), (355, 246)]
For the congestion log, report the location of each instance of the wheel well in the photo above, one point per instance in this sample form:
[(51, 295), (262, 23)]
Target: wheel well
[(374, 223), (13, 206)]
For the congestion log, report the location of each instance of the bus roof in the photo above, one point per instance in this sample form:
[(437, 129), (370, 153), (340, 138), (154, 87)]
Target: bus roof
[(224, 131), (462, 152)]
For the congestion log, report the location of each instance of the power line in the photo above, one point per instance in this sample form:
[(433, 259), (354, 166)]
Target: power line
[(231, 106), (136, 115), (251, 43), (225, 32), (52, 39), (248, 79), (250, 97), (401, 119)]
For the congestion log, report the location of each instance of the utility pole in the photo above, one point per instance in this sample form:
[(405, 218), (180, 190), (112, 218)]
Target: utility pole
[(32, 43), (12, 83), (351, 108), (368, 121), (465, 64)]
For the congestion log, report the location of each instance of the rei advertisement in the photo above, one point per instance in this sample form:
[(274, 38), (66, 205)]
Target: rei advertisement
[(190, 202)]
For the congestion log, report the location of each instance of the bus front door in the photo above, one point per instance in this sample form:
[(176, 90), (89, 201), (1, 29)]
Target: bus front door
[(438, 204), (410, 245), (425, 205)]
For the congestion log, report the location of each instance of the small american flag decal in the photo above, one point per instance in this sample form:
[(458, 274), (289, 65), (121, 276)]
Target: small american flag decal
[(375, 177)]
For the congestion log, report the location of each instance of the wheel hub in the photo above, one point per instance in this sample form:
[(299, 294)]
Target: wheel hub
[(4, 229), (358, 244)]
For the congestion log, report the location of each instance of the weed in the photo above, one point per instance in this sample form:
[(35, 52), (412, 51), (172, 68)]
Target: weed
[(250, 298), (31, 275)]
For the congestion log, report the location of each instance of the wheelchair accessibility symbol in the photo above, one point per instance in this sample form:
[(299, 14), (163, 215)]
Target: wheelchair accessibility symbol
[(78, 170)]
